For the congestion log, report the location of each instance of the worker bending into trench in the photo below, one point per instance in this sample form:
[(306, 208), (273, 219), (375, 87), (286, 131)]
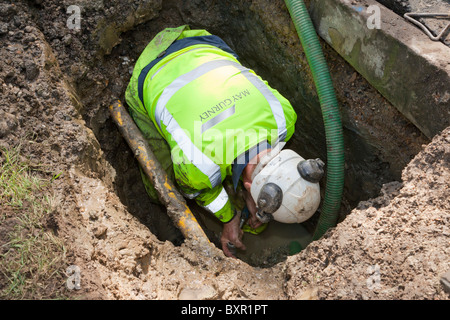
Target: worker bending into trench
[(218, 130)]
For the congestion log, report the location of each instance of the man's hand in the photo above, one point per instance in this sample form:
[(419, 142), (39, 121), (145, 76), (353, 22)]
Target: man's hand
[(252, 221), (231, 233)]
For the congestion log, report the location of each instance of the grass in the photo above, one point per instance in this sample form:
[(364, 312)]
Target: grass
[(31, 256)]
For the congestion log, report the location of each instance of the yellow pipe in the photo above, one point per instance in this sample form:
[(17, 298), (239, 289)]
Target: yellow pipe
[(177, 208)]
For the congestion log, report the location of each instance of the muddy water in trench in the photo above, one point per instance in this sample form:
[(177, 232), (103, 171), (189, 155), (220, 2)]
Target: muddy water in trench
[(272, 245), (269, 247)]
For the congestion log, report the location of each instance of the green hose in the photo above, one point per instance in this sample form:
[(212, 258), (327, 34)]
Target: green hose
[(330, 112)]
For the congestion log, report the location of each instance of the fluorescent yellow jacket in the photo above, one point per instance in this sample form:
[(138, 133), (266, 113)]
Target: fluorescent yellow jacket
[(214, 113)]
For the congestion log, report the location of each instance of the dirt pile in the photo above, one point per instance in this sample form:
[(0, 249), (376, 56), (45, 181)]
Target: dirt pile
[(391, 247), (56, 85)]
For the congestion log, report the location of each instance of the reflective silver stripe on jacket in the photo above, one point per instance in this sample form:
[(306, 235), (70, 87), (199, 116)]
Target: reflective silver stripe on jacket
[(275, 105), (190, 195), (219, 118), (219, 202), (193, 154)]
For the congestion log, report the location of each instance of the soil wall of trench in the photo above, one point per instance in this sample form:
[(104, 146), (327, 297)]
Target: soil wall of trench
[(57, 84)]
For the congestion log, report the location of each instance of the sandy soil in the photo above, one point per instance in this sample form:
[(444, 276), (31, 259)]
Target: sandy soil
[(391, 247)]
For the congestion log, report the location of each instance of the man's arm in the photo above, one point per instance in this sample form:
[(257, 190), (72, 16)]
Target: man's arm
[(217, 202)]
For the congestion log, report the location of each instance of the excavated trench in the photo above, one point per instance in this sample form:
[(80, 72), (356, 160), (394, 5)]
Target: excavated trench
[(57, 83), (379, 140)]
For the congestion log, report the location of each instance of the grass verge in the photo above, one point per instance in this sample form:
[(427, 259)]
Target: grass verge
[(31, 255)]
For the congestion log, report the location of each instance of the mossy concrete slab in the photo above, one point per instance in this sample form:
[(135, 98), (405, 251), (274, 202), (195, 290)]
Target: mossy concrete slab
[(397, 58)]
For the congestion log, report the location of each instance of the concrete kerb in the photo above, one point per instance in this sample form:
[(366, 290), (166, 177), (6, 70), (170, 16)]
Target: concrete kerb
[(397, 58)]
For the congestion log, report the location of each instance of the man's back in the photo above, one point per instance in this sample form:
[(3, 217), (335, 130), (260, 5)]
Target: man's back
[(212, 112), (209, 107)]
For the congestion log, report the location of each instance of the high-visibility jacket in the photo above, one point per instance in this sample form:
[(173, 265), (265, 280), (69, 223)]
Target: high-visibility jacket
[(214, 113)]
